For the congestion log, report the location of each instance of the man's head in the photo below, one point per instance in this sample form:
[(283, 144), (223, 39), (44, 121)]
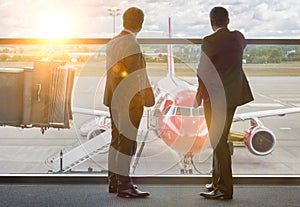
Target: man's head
[(218, 17), (133, 19)]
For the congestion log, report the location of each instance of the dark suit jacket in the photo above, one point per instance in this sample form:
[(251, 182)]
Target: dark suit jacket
[(222, 51), (126, 71)]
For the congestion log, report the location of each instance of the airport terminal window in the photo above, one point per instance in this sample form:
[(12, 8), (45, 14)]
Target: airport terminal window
[(75, 137)]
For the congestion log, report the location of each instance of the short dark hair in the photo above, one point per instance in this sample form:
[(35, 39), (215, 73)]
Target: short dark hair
[(133, 18), (219, 16)]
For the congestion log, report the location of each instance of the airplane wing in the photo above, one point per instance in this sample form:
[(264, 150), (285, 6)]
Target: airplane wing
[(236, 118), (86, 111), (265, 113)]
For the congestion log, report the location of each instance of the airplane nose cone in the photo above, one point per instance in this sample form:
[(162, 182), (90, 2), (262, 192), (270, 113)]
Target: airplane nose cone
[(180, 129)]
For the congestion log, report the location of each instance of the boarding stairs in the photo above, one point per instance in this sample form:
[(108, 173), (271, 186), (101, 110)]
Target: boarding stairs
[(98, 141), (65, 161)]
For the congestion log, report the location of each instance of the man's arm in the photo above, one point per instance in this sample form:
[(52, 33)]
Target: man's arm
[(136, 64), (202, 91)]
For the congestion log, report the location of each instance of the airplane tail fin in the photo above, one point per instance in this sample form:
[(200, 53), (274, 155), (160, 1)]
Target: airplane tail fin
[(170, 53)]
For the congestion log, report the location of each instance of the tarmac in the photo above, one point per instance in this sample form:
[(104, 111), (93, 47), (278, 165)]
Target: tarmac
[(26, 153), (28, 150)]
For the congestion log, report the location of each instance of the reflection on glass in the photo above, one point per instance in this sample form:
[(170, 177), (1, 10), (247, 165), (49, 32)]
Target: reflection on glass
[(29, 151)]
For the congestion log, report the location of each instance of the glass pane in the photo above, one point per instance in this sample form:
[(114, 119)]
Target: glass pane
[(272, 70)]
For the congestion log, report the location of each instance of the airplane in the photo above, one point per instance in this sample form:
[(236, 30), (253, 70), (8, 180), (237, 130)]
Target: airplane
[(181, 126)]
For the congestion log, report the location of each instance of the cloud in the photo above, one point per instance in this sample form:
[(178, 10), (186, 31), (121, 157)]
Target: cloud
[(90, 18)]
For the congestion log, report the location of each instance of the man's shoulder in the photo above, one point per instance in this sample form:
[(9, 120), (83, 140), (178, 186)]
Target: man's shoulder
[(215, 35), (238, 33), (224, 34), (209, 36), (209, 40), (122, 37), (122, 41)]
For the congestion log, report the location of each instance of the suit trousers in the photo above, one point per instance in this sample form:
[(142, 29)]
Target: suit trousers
[(123, 147), (221, 166)]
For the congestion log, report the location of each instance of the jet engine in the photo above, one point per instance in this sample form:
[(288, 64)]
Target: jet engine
[(259, 140)]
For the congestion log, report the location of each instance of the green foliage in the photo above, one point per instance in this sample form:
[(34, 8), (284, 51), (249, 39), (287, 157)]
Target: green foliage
[(294, 56), (271, 54), (261, 55), (16, 58), (159, 59), (4, 57), (64, 57), (164, 59), (255, 54)]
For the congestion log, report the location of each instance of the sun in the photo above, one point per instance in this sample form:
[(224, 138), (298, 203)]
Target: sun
[(54, 24)]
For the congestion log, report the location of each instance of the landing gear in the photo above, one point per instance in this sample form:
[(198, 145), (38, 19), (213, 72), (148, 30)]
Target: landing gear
[(187, 165), (230, 146)]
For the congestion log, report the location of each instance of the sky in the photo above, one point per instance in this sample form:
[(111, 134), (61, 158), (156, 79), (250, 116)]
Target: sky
[(189, 18)]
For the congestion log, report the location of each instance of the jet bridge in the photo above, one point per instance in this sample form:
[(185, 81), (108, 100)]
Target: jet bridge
[(38, 96)]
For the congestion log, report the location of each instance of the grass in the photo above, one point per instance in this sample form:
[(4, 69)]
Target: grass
[(160, 69), (282, 69)]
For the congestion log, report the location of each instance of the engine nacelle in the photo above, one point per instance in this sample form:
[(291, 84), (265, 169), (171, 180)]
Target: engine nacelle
[(259, 140)]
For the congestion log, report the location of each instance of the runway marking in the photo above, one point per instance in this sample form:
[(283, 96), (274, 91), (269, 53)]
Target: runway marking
[(278, 101), (285, 128), (265, 105)]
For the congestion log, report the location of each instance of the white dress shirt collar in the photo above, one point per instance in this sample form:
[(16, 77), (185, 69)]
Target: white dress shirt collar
[(129, 31), (219, 28)]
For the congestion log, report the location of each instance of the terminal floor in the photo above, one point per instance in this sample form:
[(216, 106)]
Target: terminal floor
[(85, 195)]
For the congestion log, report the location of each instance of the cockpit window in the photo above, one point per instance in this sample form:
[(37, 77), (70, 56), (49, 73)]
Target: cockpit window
[(169, 111), (183, 111), (173, 110), (198, 111)]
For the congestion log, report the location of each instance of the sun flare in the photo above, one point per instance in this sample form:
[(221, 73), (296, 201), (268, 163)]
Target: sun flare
[(54, 24)]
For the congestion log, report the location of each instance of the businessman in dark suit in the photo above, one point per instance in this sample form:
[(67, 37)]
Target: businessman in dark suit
[(222, 87), (127, 91)]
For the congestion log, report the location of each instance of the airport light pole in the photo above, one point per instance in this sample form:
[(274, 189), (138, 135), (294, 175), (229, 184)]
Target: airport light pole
[(114, 12)]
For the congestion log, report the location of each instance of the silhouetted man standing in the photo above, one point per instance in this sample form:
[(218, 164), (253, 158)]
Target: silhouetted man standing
[(222, 87), (127, 91)]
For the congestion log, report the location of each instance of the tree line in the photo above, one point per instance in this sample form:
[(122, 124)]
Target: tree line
[(252, 55), (264, 55)]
